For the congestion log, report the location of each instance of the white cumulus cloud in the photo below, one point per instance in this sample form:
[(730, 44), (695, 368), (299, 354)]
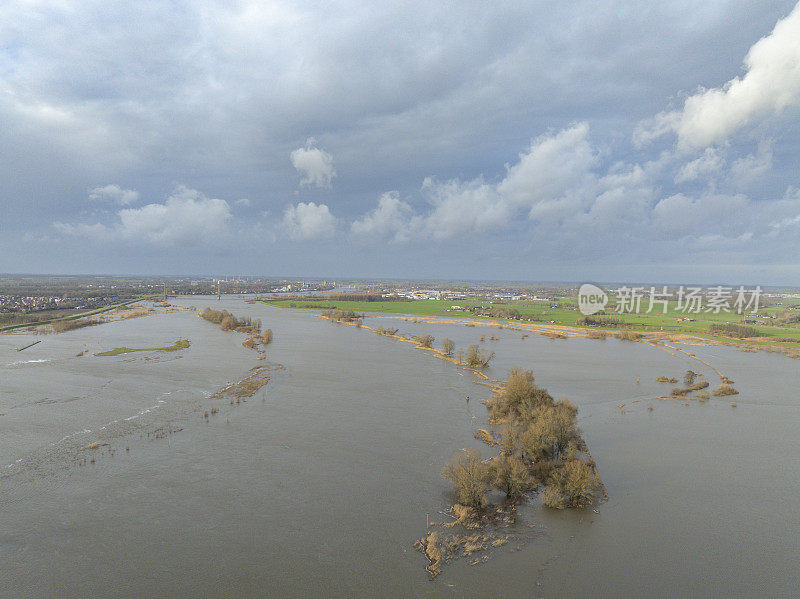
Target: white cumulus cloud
[(753, 166), (391, 218), (708, 164), (552, 168), (551, 180), (187, 216), (771, 84), (554, 181), (309, 221), (680, 215), (314, 164), (114, 193)]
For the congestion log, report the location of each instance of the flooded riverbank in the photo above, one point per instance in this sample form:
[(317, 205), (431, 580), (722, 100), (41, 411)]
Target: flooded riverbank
[(320, 483)]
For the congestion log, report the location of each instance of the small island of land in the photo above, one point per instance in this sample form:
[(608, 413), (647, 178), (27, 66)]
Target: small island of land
[(181, 344)]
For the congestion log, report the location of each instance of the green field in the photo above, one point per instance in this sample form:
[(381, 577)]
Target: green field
[(563, 311), (182, 344)]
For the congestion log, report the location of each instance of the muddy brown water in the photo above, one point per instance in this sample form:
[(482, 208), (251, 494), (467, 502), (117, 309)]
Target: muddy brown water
[(319, 484)]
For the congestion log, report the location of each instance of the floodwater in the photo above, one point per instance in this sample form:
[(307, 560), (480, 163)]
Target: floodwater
[(319, 484)]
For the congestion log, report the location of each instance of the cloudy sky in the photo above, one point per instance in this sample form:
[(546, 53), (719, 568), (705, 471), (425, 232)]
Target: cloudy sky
[(569, 140)]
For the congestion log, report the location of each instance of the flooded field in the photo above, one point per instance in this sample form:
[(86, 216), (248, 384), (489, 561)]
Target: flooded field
[(319, 484)]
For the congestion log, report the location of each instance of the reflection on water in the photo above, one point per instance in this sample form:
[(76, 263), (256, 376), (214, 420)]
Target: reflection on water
[(319, 484)]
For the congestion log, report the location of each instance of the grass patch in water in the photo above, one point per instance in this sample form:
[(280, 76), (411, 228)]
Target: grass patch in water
[(182, 344)]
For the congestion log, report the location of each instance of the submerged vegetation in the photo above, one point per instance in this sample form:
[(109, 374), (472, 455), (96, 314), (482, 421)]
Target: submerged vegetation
[(628, 335), (725, 389), (541, 447), (62, 326), (259, 376), (386, 332), (469, 477), (553, 335), (692, 382), (571, 485), (229, 322), (683, 391), (256, 340), (425, 340), (342, 315), (596, 335)]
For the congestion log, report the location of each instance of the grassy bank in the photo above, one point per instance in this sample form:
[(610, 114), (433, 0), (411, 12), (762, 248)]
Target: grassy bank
[(564, 312), (182, 344)]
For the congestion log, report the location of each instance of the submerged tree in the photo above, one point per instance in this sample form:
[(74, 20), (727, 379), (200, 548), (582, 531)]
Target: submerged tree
[(572, 485), (518, 398), (448, 346), (689, 378), (477, 358), (510, 475)]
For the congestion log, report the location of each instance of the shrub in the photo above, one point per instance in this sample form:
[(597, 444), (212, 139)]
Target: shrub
[(510, 475), (214, 316), (550, 433), (572, 485), (469, 477), (508, 441), (425, 340), (725, 389), (542, 470), (519, 397), (681, 392), (228, 323), (552, 497), (266, 337), (665, 379), (599, 321)]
